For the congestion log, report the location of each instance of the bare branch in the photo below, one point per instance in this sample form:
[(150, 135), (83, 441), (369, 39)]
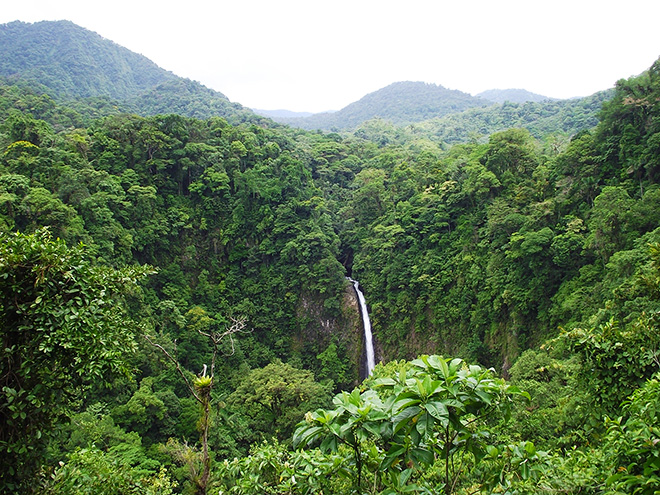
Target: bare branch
[(237, 325), (203, 394)]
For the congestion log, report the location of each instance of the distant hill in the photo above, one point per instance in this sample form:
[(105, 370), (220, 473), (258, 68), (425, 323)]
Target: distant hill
[(94, 77), (70, 63), (512, 95), (541, 119), (399, 103), (451, 116)]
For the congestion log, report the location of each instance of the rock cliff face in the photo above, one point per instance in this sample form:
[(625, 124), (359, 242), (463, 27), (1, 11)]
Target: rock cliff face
[(319, 325)]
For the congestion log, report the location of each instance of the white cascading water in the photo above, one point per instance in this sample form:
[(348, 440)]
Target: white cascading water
[(368, 338)]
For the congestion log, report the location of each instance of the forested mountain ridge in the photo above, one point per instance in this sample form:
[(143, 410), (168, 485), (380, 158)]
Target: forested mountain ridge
[(551, 121), (399, 103), (541, 119), (187, 304), (74, 63), (433, 111), (511, 95)]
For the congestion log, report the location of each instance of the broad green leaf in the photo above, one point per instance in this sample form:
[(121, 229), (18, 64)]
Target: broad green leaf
[(422, 456), (329, 444), (425, 425), (392, 457), (399, 405), (401, 419), (304, 436), (439, 411), (384, 382)]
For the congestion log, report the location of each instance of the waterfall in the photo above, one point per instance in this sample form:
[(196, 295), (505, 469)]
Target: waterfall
[(368, 338)]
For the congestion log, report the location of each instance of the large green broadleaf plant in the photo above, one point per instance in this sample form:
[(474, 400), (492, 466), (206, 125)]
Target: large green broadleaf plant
[(432, 413)]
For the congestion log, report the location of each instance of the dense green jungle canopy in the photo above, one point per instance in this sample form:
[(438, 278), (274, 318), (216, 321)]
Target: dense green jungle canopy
[(174, 301)]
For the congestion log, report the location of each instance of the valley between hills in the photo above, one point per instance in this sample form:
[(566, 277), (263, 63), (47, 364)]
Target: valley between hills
[(177, 310)]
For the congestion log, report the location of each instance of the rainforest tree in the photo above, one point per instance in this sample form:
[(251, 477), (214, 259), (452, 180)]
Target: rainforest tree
[(64, 326)]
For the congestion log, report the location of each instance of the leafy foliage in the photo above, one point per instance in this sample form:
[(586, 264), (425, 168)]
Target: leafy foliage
[(272, 469), (64, 325), (96, 472), (433, 412), (273, 399), (633, 442), (617, 360)]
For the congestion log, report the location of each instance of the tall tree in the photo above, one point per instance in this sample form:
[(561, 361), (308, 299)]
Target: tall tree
[(63, 326)]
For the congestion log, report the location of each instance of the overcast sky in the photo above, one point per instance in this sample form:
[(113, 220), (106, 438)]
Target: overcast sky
[(316, 55)]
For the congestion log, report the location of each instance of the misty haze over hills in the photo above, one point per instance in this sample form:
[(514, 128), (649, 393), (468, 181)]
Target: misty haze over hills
[(72, 62), (284, 114), (491, 95)]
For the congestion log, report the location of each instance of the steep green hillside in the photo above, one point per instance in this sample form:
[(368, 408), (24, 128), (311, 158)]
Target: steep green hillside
[(191, 99), (32, 98), (487, 245), (74, 63), (369, 199)]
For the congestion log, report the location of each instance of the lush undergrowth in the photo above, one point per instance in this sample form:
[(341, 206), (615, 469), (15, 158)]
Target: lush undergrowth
[(172, 305)]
